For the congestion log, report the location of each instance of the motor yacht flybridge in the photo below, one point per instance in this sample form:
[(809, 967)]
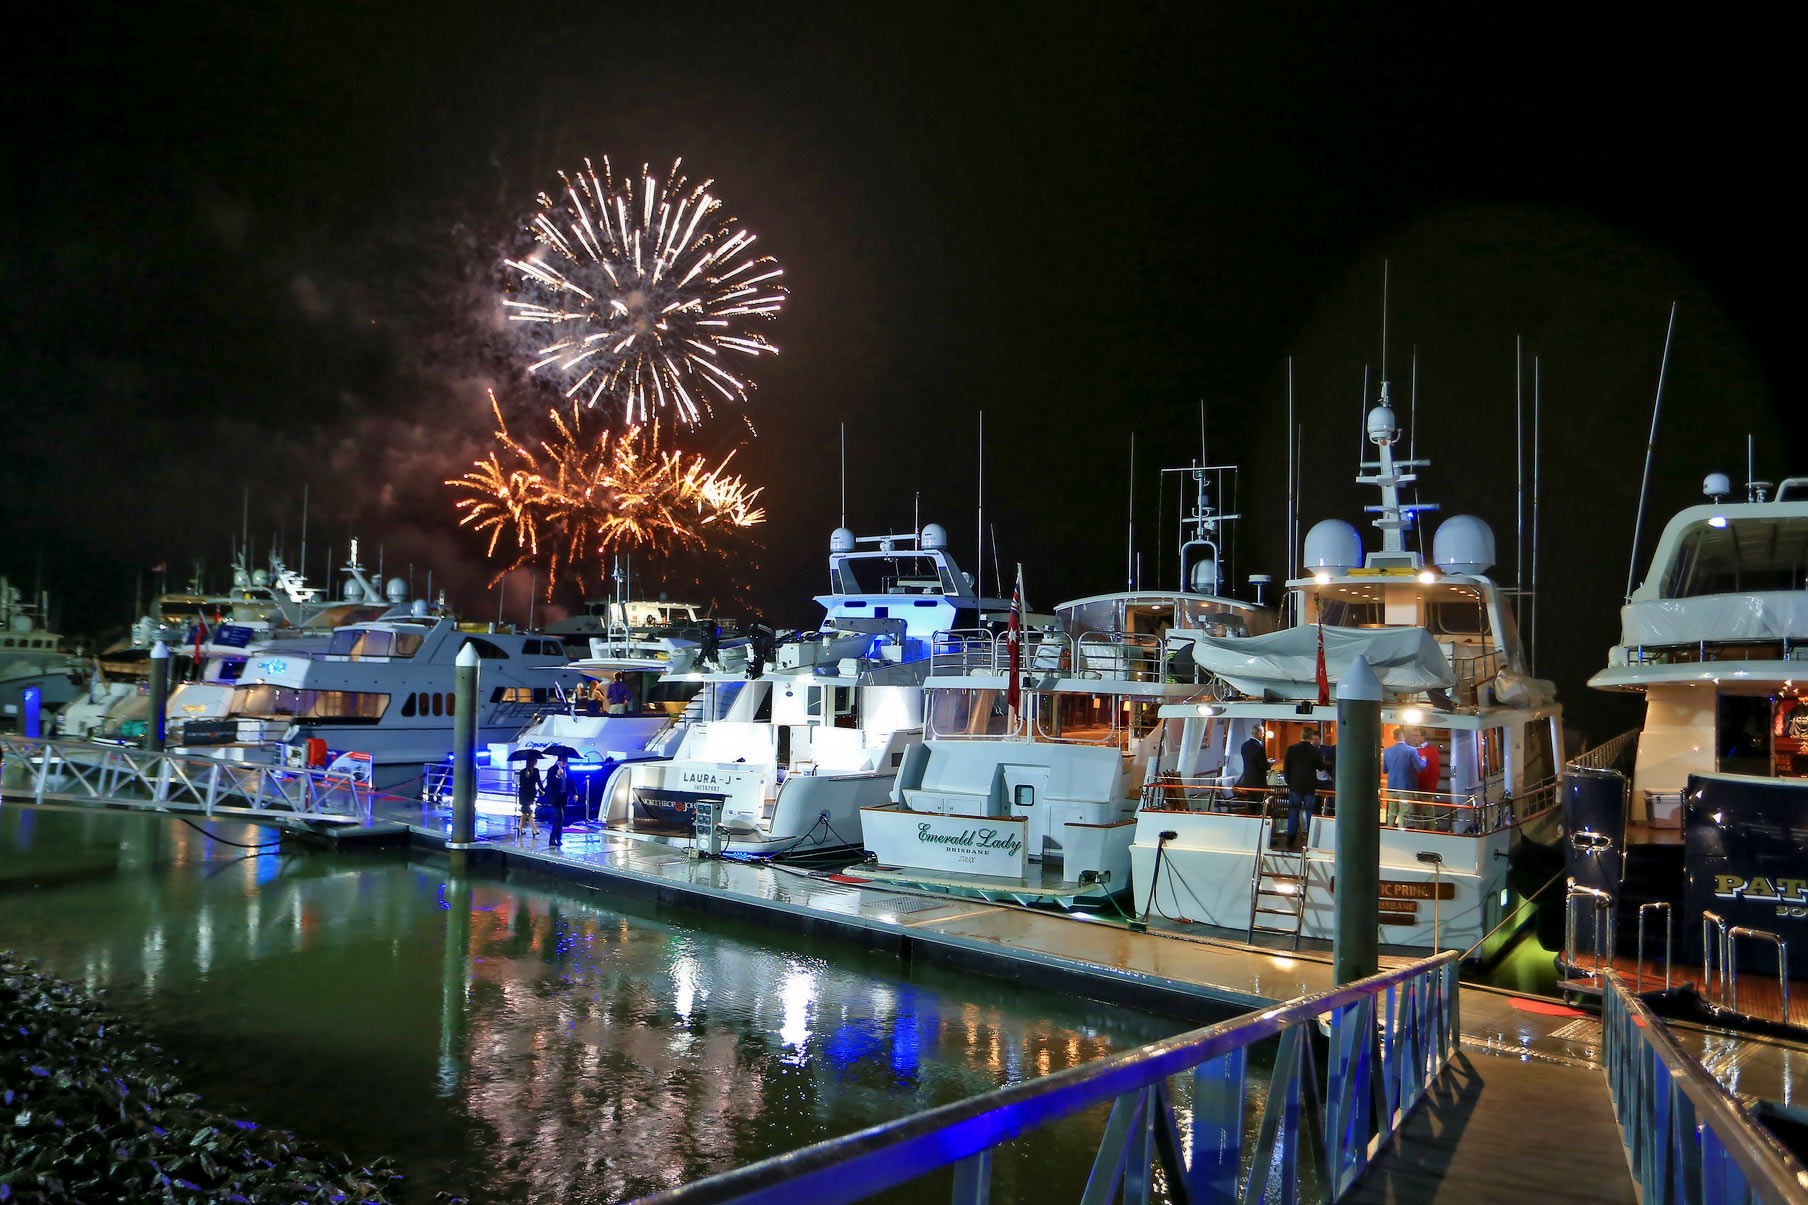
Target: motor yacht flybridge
[(1716, 639), (1442, 639), (789, 739), (1027, 784)]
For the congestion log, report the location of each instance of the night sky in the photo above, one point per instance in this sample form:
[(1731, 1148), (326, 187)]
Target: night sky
[(257, 245)]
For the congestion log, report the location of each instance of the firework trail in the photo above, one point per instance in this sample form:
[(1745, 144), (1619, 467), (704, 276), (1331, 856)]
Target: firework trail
[(574, 496), (646, 299)]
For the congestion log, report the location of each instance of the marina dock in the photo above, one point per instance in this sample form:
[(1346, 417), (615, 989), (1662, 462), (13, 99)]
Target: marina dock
[(1524, 1074)]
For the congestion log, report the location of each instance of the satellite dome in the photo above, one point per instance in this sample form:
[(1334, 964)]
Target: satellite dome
[(935, 537), (260, 577), (353, 591), (240, 578), (396, 590), (1202, 575), (419, 608), (1333, 546), (1382, 425), (1717, 486), (841, 540), (1463, 544)]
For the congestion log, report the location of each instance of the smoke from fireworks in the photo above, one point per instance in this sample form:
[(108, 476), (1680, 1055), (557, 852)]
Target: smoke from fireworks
[(644, 300), (576, 496)]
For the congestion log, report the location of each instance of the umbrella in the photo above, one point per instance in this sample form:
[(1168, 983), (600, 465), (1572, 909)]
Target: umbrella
[(560, 751), (525, 755)]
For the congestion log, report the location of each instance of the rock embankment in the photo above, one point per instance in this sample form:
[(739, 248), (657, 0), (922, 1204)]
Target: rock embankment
[(90, 1112)]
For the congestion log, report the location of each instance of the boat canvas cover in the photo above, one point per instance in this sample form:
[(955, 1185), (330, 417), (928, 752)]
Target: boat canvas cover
[(1285, 663), (1759, 616)]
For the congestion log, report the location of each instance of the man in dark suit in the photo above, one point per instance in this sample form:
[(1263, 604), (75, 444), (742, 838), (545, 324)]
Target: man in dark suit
[(1300, 767)]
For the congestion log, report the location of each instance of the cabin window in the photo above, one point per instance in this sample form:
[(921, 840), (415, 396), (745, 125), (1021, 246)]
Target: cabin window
[(1023, 795), (1492, 762), (967, 713), (357, 705), (489, 650), (408, 706), (439, 703), (1349, 612), (1746, 555), (1540, 757), (1743, 731), (1457, 618)]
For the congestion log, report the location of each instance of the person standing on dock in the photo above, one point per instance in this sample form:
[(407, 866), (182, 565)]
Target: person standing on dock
[(527, 790), (558, 790), (1400, 765), (1301, 767)]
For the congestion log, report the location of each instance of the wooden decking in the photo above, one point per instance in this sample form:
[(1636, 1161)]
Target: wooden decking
[(1760, 996), (1499, 1128)]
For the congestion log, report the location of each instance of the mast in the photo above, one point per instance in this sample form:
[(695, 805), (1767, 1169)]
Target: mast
[(1535, 432), (1650, 444), (979, 568), (1519, 489), (1130, 545)]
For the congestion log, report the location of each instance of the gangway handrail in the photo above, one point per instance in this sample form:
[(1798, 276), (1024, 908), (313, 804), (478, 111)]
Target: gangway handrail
[(1604, 755), (1687, 1138), (1391, 1035)]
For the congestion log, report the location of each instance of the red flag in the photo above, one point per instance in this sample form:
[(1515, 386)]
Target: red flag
[(200, 636), (1324, 679), (1014, 640)]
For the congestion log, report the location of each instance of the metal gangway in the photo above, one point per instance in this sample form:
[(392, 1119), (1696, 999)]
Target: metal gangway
[(1396, 1112), (52, 771)]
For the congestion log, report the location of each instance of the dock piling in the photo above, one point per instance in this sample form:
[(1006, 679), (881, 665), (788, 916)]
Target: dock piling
[(154, 723), (464, 749), (1355, 944)]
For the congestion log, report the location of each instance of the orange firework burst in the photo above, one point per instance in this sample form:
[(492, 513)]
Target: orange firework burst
[(579, 497)]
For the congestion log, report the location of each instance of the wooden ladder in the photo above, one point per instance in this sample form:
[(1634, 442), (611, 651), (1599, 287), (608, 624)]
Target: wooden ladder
[(1277, 889)]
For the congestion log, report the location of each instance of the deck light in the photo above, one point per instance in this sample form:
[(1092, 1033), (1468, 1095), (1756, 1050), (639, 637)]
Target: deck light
[(1717, 521), (1207, 711), (1323, 579), (1412, 715), (1427, 576)]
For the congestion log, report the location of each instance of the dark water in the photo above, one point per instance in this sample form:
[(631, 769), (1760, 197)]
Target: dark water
[(516, 1042)]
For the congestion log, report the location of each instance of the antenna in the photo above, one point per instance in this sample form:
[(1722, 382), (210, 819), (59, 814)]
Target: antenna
[(1412, 447), (1130, 548), (979, 569), (1519, 495), (1751, 465), (1536, 407), (1292, 499), (997, 573), (245, 526), (1638, 519), (304, 530), (844, 474), (1384, 266)]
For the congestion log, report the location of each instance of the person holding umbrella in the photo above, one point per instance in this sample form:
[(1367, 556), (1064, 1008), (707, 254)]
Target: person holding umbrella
[(527, 791), (558, 791)]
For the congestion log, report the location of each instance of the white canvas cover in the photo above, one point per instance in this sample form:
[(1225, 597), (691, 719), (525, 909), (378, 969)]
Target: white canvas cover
[(1769, 615), (1407, 660)]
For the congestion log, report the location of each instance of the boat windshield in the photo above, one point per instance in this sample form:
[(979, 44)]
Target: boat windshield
[(1744, 557), (899, 573), (358, 643)]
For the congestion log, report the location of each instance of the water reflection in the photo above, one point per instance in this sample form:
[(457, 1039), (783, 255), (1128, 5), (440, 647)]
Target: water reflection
[(520, 1043)]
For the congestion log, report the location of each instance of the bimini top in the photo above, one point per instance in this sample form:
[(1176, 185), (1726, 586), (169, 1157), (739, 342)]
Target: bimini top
[(1285, 663)]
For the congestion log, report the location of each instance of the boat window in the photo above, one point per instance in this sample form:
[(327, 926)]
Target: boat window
[(1456, 618), (1105, 615), (489, 650), (358, 643), (1349, 612), (904, 573), (408, 706), (1023, 795), (1743, 732), (967, 712), (519, 694), (1746, 555), (264, 702), (439, 703)]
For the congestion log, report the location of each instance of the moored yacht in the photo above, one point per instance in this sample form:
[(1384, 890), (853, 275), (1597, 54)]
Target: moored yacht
[(787, 739), (1705, 808), (1039, 742), (1441, 637), (32, 658)]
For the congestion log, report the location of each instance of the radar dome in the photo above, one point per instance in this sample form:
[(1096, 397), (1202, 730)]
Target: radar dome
[(260, 577), (1463, 544), (353, 591), (396, 590), (1333, 546), (935, 537), (1717, 486), (240, 578), (1202, 577), (419, 608), (1382, 425), (841, 540)]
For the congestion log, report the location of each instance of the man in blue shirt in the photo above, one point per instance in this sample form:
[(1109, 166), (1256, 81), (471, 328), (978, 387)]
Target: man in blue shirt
[(1400, 765)]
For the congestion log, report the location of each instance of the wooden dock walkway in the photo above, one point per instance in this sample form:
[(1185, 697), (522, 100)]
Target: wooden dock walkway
[(1503, 1128)]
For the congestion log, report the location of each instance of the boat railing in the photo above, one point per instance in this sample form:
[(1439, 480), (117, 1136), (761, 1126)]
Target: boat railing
[(1608, 755), (1599, 906), (1687, 1137), (1390, 1036), (81, 770), (1474, 670), (1121, 656), (1420, 811), (1696, 652), (960, 651)]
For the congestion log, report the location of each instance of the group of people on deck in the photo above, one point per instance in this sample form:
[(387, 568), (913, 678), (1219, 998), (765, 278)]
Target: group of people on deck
[(1411, 765)]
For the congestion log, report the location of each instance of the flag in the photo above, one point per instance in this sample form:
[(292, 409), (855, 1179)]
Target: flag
[(200, 636), (1324, 680), (1014, 640)]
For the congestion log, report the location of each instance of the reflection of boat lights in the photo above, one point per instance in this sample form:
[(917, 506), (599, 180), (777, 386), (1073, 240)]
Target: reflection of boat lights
[(796, 994)]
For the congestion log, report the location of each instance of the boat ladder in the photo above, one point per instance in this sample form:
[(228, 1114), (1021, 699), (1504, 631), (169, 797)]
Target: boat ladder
[(1277, 889)]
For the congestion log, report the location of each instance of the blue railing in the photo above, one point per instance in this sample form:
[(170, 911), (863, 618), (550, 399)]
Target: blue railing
[(1390, 1037), (1687, 1138)]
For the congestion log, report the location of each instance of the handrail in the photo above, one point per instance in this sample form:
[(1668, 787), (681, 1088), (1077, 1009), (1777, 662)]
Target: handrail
[(1391, 1035), (1730, 972), (1171, 792), (1602, 915), (1687, 1137), (1655, 905), (1605, 755)]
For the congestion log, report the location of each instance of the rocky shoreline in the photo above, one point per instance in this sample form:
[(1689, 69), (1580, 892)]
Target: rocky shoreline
[(90, 1112)]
